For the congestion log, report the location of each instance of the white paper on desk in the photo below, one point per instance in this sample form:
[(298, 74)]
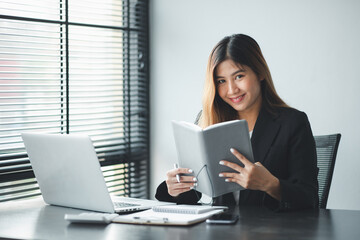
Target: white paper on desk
[(159, 218)]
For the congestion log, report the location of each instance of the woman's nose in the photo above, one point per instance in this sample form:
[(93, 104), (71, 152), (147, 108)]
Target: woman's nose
[(232, 87)]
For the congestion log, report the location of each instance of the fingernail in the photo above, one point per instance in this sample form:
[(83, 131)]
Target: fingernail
[(195, 184), (221, 162), (191, 187), (221, 175), (227, 180), (190, 170), (232, 150), (194, 179)]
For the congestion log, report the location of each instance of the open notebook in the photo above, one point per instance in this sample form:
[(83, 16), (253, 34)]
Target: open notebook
[(152, 217), (208, 146)]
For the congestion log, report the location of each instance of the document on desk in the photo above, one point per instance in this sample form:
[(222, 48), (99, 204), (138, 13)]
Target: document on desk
[(188, 209), (151, 217)]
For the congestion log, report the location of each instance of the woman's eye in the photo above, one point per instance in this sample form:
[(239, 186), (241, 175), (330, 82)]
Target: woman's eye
[(239, 76), (220, 81)]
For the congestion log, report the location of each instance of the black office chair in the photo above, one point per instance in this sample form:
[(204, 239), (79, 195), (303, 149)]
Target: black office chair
[(326, 149)]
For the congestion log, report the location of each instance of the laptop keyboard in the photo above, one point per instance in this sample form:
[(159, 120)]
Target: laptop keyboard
[(125, 204)]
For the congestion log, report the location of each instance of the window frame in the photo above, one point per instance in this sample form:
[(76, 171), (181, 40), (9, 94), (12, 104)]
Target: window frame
[(135, 155)]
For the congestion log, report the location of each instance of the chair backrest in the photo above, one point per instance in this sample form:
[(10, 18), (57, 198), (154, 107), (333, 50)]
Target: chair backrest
[(326, 149)]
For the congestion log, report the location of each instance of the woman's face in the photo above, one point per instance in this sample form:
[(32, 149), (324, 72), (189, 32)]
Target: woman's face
[(238, 86)]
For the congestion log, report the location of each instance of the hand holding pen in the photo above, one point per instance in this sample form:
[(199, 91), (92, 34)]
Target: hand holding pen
[(178, 183)]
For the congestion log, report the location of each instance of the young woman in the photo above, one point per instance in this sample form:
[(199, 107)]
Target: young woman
[(239, 86)]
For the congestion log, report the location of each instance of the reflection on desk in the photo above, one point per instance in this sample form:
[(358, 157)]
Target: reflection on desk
[(32, 219)]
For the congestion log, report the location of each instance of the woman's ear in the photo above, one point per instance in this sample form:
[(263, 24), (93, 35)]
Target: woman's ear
[(261, 78)]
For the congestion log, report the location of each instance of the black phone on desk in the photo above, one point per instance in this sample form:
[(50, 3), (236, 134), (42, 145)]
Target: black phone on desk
[(223, 218)]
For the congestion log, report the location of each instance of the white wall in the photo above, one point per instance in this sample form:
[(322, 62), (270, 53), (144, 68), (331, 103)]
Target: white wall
[(312, 48)]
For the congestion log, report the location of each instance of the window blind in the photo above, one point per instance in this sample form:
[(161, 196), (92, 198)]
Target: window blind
[(75, 66)]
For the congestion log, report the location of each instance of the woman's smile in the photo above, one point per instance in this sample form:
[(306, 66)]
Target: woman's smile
[(238, 99)]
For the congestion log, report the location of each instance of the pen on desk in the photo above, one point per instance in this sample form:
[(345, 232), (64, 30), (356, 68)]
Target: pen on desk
[(151, 219), (177, 175)]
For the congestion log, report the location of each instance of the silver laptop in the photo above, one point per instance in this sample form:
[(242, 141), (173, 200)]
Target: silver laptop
[(68, 173)]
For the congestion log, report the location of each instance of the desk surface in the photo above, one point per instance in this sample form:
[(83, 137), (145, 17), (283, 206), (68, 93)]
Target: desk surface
[(32, 219)]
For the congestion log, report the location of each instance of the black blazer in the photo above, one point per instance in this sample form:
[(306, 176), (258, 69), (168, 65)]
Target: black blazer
[(283, 142)]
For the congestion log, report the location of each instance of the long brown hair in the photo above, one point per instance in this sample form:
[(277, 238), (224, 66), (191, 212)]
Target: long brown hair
[(243, 50)]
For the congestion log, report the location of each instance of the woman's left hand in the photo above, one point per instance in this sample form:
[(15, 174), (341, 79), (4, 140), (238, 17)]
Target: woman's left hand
[(252, 176)]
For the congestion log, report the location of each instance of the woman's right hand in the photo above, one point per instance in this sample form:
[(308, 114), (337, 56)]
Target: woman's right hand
[(186, 182)]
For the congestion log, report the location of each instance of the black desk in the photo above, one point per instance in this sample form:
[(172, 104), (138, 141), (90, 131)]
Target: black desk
[(32, 219)]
